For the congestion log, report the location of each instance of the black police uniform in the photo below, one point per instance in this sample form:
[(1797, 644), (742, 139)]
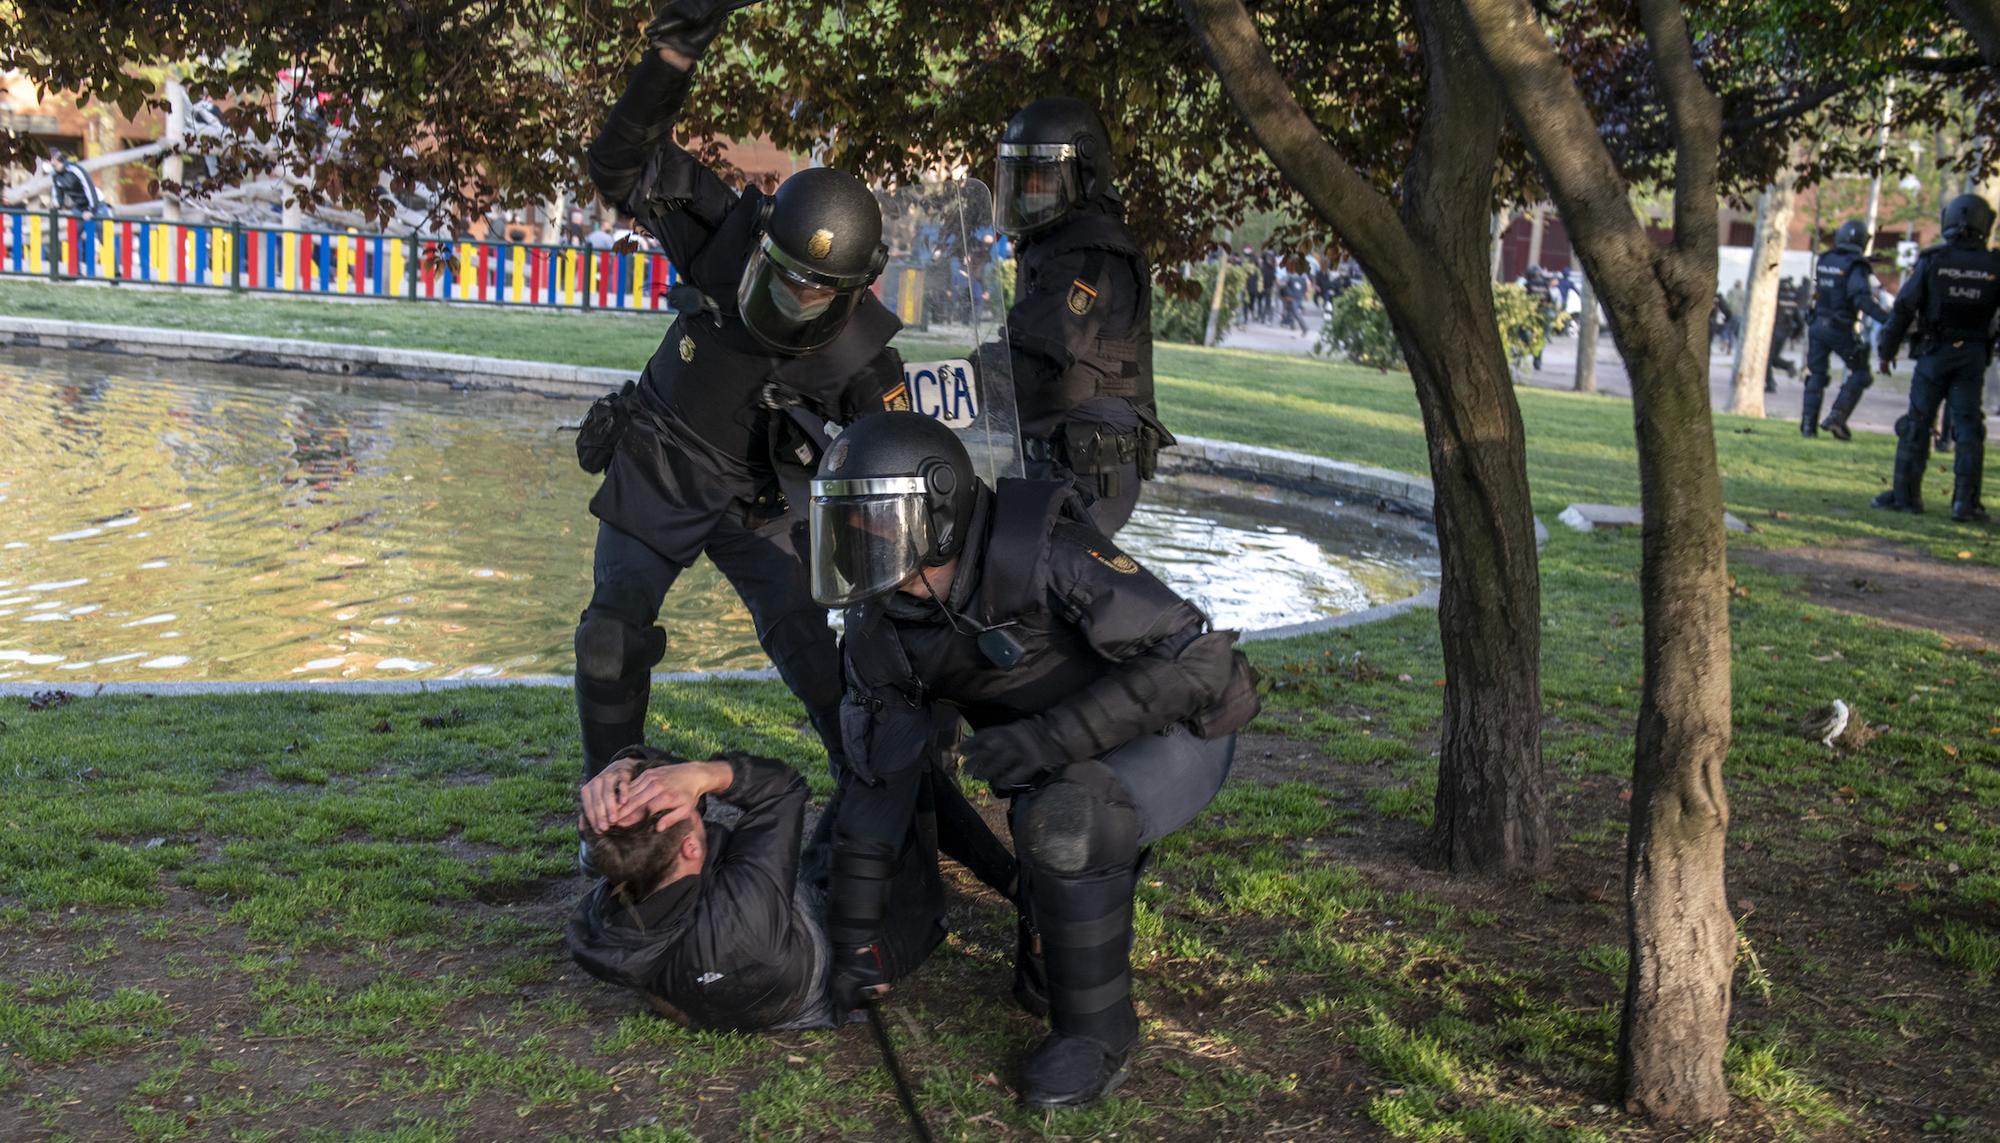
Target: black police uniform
[(1952, 295), (1844, 288), (1082, 333), (715, 425), (742, 944), (1137, 704)]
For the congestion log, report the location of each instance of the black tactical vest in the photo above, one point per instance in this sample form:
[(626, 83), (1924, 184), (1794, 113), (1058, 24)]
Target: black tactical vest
[(1961, 293), (1106, 365), (1832, 303)]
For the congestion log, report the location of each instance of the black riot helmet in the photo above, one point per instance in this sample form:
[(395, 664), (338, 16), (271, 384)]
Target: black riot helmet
[(1054, 156), (894, 493), (819, 250), (1967, 218), (1853, 232)]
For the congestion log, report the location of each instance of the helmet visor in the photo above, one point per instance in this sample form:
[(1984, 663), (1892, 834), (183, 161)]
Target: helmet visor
[(1034, 186), (868, 537), (789, 309)]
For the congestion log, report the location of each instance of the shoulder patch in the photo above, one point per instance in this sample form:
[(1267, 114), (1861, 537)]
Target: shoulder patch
[(1081, 297), (1115, 560)]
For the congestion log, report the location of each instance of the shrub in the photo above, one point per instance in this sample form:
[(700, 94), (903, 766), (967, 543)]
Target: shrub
[(1358, 327)]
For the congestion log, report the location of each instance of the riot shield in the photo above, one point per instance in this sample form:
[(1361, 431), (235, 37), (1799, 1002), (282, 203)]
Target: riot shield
[(944, 283)]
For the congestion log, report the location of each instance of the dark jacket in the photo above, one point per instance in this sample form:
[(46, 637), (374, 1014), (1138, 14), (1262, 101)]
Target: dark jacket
[(736, 948), (717, 434), (1952, 294), (1082, 326), (1844, 286), (1109, 653)]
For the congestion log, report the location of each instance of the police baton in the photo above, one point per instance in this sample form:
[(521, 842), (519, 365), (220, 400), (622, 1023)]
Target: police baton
[(871, 1003)]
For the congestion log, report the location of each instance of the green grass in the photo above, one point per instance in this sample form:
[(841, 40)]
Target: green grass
[(313, 930)]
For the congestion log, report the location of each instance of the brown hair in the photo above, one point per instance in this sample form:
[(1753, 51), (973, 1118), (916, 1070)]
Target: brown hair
[(633, 858)]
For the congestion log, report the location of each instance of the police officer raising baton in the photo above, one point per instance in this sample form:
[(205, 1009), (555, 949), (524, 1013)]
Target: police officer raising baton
[(778, 335)]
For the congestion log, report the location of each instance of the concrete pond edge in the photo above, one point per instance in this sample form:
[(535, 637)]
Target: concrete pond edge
[(1345, 483)]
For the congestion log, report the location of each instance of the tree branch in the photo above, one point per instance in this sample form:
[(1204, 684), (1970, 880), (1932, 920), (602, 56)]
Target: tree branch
[(1695, 116), (1949, 65), (1363, 215)]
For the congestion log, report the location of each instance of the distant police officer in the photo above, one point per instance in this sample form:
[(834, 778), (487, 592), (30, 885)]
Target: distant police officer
[(780, 335), (1843, 289), (1952, 294), (1082, 323), (1101, 705)]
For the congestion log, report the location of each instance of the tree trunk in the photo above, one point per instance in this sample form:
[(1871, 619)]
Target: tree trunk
[(1429, 263), (1681, 937), (1982, 19), (1760, 304), (1586, 340)]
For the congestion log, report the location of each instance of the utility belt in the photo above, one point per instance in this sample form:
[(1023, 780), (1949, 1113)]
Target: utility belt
[(1930, 341), (1088, 449)]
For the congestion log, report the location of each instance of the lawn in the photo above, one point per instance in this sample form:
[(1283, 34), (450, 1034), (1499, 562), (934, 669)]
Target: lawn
[(334, 917)]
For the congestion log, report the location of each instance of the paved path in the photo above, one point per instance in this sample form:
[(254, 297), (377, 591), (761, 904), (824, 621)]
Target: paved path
[(1880, 405)]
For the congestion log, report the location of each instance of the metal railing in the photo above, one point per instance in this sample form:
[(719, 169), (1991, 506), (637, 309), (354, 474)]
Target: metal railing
[(64, 246)]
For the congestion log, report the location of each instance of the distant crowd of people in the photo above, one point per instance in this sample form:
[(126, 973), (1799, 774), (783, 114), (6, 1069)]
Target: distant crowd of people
[(1280, 289)]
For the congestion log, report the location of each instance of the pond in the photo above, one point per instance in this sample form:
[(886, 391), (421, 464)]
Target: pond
[(166, 520)]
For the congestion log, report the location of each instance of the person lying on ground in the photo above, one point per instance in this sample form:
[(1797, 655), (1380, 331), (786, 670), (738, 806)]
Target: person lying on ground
[(710, 921)]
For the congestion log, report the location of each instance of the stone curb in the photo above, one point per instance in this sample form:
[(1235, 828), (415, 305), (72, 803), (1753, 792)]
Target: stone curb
[(458, 370)]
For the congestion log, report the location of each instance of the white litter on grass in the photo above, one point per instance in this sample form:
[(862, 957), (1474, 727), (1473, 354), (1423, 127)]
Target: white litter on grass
[(29, 657), (165, 662), (51, 605), (15, 544), (79, 534), (74, 666), (14, 599), (388, 621), (167, 618), (170, 634), (121, 522), (86, 609), (46, 617), (324, 664), (402, 665), (150, 564), (122, 658), (484, 573), (56, 584)]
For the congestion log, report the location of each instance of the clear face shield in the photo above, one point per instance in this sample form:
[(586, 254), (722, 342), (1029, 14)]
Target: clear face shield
[(868, 537), (790, 307), (1034, 186)]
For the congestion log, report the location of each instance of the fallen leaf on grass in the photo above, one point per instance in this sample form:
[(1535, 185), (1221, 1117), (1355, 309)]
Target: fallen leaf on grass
[(1905, 886), (49, 700), (381, 727), (1965, 555)]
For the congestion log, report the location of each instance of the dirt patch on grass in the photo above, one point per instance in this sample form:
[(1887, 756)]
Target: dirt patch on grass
[(1898, 585)]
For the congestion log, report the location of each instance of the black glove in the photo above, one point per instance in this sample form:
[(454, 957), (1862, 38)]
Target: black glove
[(687, 26), (1013, 755), (858, 974)]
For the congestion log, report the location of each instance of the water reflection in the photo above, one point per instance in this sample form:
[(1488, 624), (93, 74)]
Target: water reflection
[(177, 521)]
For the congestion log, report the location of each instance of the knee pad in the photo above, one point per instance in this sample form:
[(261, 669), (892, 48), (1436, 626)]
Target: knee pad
[(1082, 823), (609, 649)]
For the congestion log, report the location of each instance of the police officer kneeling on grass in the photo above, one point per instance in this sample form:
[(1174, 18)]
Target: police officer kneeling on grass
[(1953, 295), (1081, 328), (778, 334), (1102, 707), (710, 921), (1843, 289)]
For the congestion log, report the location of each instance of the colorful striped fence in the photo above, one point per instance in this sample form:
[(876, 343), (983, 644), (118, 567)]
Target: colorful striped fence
[(53, 245)]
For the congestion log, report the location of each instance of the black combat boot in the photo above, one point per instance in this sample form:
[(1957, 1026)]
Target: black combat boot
[(1965, 505), (1843, 404), (1906, 491), (1086, 928)]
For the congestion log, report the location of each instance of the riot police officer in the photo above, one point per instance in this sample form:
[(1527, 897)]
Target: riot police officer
[(1952, 294), (1101, 704), (1843, 288), (1081, 328), (779, 336)]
